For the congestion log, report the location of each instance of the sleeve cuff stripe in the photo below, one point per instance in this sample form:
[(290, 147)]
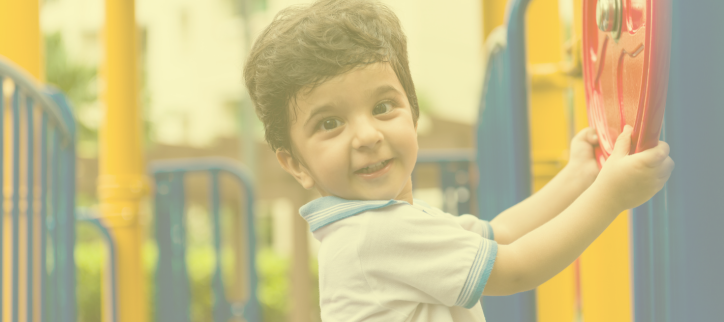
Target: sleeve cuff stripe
[(478, 275), (488, 231)]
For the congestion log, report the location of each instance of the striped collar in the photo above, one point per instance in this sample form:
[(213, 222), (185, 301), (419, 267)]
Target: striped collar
[(326, 210)]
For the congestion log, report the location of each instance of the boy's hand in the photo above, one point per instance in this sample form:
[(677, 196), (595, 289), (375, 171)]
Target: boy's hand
[(631, 180), (583, 160)]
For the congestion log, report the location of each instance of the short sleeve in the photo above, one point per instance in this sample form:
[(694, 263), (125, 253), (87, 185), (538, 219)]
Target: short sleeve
[(407, 255), (467, 221), (476, 225)]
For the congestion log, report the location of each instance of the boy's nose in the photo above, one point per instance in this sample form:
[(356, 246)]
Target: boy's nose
[(366, 135)]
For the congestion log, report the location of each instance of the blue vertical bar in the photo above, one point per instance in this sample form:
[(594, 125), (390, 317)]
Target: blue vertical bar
[(222, 310), (164, 280), (61, 247), (69, 207), (110, 241), (172, 290), (447, 182), (463, 205), (29, 213), (504, 147), (172, 280), (53, 292), (2, 189), (16, 202), (43, 212), (66, 211), (69, 188), (178, 232), (695, 189), (650, 248), (252, 312)]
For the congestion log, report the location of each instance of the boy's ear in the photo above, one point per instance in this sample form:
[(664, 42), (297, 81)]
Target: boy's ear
[(296, 169)]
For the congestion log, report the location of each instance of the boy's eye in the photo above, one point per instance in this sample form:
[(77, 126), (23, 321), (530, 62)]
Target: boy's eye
[(330, 124), (382, 108)]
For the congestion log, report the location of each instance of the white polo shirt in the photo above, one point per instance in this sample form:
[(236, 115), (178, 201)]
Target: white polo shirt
[(387, 260)]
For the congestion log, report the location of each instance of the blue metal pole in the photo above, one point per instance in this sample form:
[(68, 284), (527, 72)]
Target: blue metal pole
[(252, 311), (29, 213), (695, 189), (172, 288), (54, 292), (110, 241), (504, 147), (43, 212), (222, 310), (16, 203)]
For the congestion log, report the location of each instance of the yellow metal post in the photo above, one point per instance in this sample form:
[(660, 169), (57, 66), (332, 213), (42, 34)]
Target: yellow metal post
[(20, 42), (550, 136), (606, 264), (122, 182), (20, 39)]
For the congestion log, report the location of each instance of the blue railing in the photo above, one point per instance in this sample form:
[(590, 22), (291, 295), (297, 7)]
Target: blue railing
[(41, 170), (503, 144), (455, 181), (83, 216), (172, 280)]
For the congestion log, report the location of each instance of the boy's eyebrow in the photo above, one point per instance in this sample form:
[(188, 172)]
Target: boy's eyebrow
[(319, 110), (384, 89)]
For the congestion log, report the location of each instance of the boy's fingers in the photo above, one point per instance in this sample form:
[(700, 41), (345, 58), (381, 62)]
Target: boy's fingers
[(587, 135), (669, 166), (623, 143), (592, 136), (656, 155)]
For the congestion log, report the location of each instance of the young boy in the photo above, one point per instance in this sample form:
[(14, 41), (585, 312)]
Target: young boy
[(331, 83)]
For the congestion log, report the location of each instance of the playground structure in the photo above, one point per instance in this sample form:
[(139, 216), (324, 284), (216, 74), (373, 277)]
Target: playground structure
[(660, 262)]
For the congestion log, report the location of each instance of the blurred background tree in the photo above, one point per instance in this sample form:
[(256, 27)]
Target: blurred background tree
[(79, 83)]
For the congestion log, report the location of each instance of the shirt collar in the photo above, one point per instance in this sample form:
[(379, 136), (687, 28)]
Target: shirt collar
[(326, 210)]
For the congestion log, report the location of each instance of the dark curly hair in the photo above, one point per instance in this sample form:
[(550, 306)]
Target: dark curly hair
[(306, 45)]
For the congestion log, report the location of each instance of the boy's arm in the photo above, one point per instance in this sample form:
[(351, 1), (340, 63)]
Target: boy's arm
[(555, 196), (624, 182)]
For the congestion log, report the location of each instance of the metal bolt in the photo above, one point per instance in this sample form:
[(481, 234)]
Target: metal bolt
[(608, 16)]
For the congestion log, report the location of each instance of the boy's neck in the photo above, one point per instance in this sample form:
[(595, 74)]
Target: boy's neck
[(406, 193)]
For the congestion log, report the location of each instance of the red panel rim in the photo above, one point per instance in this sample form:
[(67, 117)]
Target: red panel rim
[(654, 78)]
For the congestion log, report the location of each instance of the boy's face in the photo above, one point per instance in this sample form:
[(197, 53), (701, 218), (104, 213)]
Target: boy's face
[(354, 137)]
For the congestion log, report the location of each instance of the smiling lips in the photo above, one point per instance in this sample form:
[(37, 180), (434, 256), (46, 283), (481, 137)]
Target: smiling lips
[(374, 169)]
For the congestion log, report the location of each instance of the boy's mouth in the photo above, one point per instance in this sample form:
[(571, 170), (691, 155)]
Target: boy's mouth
[(373, 168)]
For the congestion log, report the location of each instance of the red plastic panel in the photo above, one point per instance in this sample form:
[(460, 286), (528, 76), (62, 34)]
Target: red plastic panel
[(626, 77)]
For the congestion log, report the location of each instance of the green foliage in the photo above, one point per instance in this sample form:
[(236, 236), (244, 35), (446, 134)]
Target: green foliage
[(273, 270), (88, 260), (273, 285), (273, 293), (77, 80)]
